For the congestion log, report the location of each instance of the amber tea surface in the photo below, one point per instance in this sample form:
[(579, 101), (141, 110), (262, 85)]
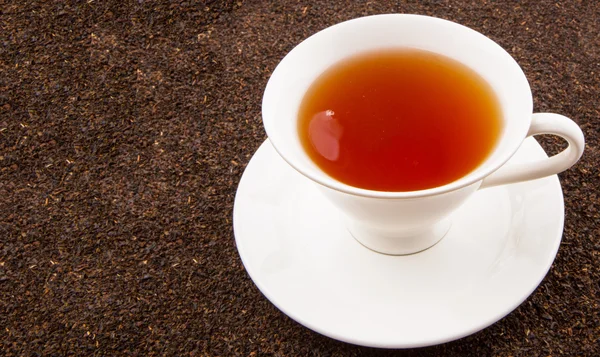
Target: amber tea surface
[(399, 120)]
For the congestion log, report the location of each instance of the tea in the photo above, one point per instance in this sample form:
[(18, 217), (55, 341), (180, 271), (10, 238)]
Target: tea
[(399, 120)]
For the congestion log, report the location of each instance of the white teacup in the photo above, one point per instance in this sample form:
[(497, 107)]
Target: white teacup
[(409, 222)]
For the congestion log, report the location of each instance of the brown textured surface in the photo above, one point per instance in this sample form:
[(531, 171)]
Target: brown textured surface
[(125, 127)]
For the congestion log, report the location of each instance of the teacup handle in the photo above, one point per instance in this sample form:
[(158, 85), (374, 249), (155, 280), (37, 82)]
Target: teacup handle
[(543, 123)]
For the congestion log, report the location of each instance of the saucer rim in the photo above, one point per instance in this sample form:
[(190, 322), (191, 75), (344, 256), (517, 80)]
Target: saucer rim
[(424, 342)]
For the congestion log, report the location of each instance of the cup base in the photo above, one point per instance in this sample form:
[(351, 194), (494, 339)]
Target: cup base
[(400, 244)]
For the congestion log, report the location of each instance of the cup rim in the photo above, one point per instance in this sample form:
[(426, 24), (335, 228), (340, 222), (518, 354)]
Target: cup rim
[(474, 177)]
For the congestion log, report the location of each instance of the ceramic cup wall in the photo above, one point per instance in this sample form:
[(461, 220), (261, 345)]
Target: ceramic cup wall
[(409, 222)]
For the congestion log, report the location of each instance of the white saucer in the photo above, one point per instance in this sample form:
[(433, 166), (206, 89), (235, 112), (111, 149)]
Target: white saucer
[(296, 249)]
